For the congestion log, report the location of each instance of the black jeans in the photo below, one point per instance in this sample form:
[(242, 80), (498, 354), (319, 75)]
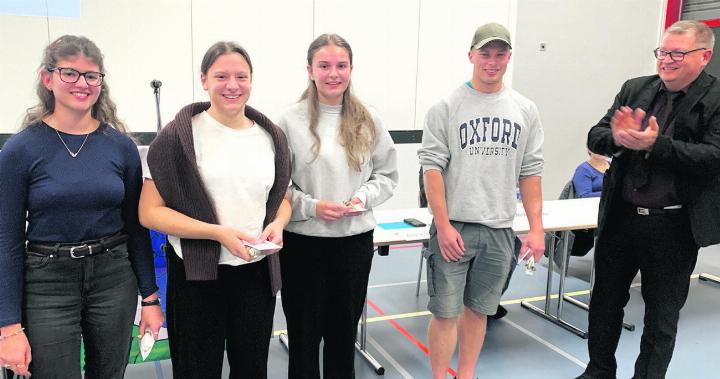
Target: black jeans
[(206, 317), (663, 249), (65, 299), (324, 287)]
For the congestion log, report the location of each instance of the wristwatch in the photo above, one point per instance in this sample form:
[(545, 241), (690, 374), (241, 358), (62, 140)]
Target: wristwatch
[(150, 303)]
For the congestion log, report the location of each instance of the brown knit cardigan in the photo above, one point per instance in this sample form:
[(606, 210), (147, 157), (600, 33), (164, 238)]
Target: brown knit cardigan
[(172, 162)]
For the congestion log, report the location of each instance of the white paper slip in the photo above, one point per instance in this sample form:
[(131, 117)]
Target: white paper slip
[(530, 266), (146, 344), (355, 209), (265, 245)]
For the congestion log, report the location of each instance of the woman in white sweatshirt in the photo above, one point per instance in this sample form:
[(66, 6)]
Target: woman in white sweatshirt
[(344, 164)]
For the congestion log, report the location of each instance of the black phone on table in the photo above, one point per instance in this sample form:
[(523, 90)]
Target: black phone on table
[(414, 222)]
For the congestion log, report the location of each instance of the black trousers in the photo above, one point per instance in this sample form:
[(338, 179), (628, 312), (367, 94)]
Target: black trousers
[(663, 249), (324, 287), (206, 317)]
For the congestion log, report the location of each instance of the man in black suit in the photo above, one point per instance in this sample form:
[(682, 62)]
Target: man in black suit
[(660, 200)]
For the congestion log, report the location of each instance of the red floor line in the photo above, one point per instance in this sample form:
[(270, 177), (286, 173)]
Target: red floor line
[(407, 334)]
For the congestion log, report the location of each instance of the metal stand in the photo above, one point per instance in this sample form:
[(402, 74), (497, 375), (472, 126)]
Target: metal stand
[(709, 278), (557, 317), (156, 91), (545, 313), (417, 288), (580, 304), (361, 345)]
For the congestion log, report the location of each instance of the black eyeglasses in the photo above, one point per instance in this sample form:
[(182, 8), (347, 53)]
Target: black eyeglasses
[(71, 75), (676, 56)]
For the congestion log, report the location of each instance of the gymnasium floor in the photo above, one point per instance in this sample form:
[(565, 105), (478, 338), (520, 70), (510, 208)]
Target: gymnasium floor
[(521, 345)]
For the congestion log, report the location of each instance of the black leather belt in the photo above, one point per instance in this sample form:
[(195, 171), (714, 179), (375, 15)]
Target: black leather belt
[(80, 249), (653, 211)]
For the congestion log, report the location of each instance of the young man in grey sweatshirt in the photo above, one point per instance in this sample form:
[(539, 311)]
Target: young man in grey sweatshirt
[(478, 144)]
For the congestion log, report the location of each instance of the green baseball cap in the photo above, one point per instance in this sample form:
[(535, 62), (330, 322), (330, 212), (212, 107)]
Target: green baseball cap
[(488, 33)]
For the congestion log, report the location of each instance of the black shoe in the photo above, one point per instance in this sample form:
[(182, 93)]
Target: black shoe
[(500, 313)]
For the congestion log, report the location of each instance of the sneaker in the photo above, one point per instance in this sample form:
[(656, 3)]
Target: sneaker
[(500, 313)]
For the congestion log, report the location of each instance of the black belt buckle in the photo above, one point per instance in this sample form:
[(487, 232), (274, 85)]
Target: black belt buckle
[(643, 211), (74, 256)]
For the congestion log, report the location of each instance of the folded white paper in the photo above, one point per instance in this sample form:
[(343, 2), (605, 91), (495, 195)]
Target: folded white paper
[(146, 344), (266, 245)]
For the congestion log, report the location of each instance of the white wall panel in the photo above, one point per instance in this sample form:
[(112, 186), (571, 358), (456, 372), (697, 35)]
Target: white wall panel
[(446, 32), (22, 39), (406, 193), (591, 49), (141, 41), (275, 33), (383, 36)]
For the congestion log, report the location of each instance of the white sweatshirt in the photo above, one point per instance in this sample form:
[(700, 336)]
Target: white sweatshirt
[(482, 144), (330, 177)]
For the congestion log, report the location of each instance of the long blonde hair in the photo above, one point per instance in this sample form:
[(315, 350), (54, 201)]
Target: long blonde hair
[(104, 109), (357, 129)]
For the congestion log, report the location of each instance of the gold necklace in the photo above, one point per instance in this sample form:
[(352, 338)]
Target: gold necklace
[(75, 154)]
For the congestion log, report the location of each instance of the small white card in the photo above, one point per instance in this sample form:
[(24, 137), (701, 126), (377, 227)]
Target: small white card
[(265, 245), (530, 266), (355, 209), (146, 344)]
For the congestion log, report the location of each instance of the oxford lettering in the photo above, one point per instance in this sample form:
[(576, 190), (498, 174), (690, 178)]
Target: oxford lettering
[(495, 130)]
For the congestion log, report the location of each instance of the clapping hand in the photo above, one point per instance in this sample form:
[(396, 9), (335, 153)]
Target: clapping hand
[(626, 126)]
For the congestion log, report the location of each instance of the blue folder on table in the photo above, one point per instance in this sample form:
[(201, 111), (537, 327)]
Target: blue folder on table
[(395, 225)]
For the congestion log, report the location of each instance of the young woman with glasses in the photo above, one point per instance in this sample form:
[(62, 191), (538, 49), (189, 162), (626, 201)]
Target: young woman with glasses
[(73, 273), (220, 172)]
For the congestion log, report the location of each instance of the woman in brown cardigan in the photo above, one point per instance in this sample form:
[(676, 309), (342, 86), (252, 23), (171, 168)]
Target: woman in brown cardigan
[(219, 175)]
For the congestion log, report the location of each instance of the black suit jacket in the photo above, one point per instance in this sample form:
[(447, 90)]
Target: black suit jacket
[(692, 152)]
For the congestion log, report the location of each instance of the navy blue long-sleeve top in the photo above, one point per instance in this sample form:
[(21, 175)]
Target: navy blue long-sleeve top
[(587, 181), (64, 199)]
